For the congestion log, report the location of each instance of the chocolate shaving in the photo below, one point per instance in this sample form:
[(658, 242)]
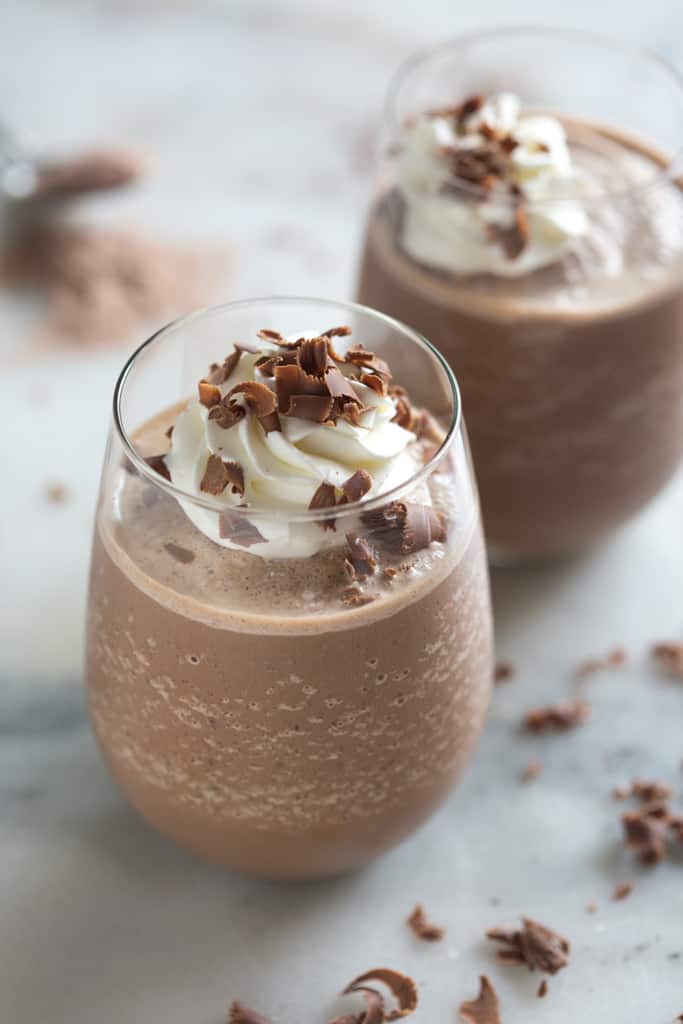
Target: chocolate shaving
[(613, 659), (405, 527), (356, 486), (503, 672), (513, 239), (219, 473), (361, 556), (169, 433), (209, 394), (182, 555), (427, 428), (219, 374), (355, 597), (401, 986), (643, 790), (622, 891), (227, 413), (405, 416), (542, 990), (235, 527), (324, 497), (533, 944), (357, 355), (532, 771), (56, 492), (485, 1009), (260, 401), (337, 332), (645, 831), (158, 464), (422, 928), (670, 657), (241, 1014), (558, 718), (378, 385), (317, 408), (269, 335)]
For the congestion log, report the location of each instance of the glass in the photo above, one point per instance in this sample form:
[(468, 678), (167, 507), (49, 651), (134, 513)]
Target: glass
[(572, 369), (254, 709)]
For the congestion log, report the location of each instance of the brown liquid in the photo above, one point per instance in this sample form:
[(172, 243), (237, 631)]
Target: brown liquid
[(253, 718), (572, 376)]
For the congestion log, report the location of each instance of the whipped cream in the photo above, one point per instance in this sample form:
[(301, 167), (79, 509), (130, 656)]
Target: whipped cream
[(444, 231), (283, 468)]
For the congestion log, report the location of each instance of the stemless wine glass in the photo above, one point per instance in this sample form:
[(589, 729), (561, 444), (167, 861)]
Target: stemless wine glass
[(257, 710), (570, 353)]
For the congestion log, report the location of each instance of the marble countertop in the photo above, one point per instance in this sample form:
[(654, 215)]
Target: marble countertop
[(263, 139)]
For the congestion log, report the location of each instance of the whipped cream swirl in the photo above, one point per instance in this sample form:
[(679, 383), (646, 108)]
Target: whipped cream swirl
[(282, 469), (457, 233)]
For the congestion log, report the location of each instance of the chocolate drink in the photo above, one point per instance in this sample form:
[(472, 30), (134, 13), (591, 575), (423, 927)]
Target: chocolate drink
[(260, 714), (571, 367)]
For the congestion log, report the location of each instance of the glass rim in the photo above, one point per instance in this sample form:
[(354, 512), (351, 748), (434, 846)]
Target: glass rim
[(413, 63), (307, 515)]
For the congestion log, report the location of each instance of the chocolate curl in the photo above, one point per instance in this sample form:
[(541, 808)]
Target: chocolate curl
[(261, 401), (324, 497)]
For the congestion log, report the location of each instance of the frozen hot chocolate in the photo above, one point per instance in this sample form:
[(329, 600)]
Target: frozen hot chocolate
[(289, 651), (543, 255)]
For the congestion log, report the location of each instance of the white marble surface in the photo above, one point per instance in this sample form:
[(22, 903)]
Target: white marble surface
[(260, 117)]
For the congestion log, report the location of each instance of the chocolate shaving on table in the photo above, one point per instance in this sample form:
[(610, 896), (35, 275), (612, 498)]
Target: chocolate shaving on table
[(557, 718), (485, 1009), (645, 832), (542, 990), (642, 789), (182, 555), (219, 473), (56, 492), (357, 486), (423, 928), (324, 497), (401, 986), (241, 1014), (235, 527), (533, 944), (622, 891), (533, 771), (613, 659), (361, 556), (514, 238), (670, 657), (405, 527), (158, 464), (95, 171), (503, 672)]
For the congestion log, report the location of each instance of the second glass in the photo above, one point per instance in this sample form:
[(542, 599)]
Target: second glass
[(529, 221)]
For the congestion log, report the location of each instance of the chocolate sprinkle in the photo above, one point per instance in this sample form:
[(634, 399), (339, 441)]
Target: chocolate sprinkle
[(182, 555), (158, 464), (533, 944), (209, 394), (422, 928), (324, 497), (558, 718), (485, 1009), (235, 527), (670, 657), (357, 486), (401, 986), (405, 527), (219, 473), (241, 1014), (622, 890)]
